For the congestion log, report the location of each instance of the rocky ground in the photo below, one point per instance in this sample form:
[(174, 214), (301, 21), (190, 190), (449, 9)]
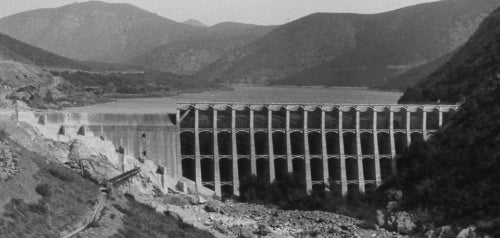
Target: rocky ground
[(232, 219)]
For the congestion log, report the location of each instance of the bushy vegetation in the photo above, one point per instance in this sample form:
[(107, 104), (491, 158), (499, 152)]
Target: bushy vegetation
[(456, 173), (290, 193)]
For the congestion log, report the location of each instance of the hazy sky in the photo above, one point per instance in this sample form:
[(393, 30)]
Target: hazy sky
[(264, 12)]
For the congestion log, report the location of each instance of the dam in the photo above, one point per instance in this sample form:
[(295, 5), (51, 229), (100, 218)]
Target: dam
[(216, 145)]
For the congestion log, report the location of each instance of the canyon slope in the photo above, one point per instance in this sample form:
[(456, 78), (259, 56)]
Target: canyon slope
[(451, 173), (190, 56), (352, 49), (473, 70)]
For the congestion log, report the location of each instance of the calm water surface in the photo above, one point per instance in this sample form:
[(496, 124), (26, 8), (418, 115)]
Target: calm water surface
[(248, 94)]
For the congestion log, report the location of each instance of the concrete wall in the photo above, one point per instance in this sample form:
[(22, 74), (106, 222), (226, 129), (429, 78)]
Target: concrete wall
[(145, 136)]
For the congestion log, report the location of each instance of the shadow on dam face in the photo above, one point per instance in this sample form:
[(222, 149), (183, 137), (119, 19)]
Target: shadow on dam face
[(147, 136)]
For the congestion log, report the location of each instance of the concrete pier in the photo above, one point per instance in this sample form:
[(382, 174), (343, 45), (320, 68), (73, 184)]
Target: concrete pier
[(374, 127)]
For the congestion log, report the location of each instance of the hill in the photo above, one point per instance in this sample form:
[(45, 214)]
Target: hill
[(194, 22), (473, 69), (188, 57), (95, 30), (352, 49), (13, 49), (413, 76), (452, 172)]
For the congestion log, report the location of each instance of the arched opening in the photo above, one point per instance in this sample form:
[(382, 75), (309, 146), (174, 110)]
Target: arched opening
[(350, 144), (297, 119), (332, 143), (351, 169), (315, 143), (400, 143), (263, 168), (400, 119), (226, 190), (314, 119), (331, 119), (416, 119), (261, 145), (416, 136), (225, 143), (352, 188), (243, 118), (299, 168), (280, 168), (224, 119), (207, 170), (383, 119), (279, 118), (366, 119), (369, 168), (187, 143), (188, 169), (244, 169), (260, 118), (334, 169), (226, 170), (81, 131), (370, 188), (188, 121), (62, 130), (243, 143), (433, 120), (206, 143), (385, 168), (367, 143), (206, 118), (384, 143), (349, 119), (297, 143), (279, 143), (316, 169)]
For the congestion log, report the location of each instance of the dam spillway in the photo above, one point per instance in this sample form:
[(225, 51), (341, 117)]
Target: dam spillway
[(352, 146), (217, 145)]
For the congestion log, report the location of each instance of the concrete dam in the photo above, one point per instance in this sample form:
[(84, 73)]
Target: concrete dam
[(216, 145)]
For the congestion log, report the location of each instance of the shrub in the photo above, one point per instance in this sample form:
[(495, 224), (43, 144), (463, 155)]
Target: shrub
[(43, 189), (62, 173), (40, 207), (3, 134)]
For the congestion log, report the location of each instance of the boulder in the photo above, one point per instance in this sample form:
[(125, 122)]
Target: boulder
[(263, 230), (182, 186), (469, 232), (401, 222), (212, 207)]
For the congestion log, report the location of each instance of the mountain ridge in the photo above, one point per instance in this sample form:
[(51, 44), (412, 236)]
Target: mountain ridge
[(344, 46)]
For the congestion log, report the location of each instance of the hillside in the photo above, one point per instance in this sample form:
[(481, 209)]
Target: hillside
[(473, 69), (194, 22), (352, 49), (413, 76), (95, 30), (455, 174), (13, 49), (188, 57)]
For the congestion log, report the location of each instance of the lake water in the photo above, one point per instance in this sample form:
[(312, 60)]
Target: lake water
[(248, 94)]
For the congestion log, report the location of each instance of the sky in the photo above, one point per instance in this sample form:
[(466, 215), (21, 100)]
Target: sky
[(262, 12)]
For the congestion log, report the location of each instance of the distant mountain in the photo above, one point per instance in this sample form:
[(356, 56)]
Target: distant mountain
[(473, 70), (13, 49), (352, 49), (95, 30), (193, 22), (188, 57)]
